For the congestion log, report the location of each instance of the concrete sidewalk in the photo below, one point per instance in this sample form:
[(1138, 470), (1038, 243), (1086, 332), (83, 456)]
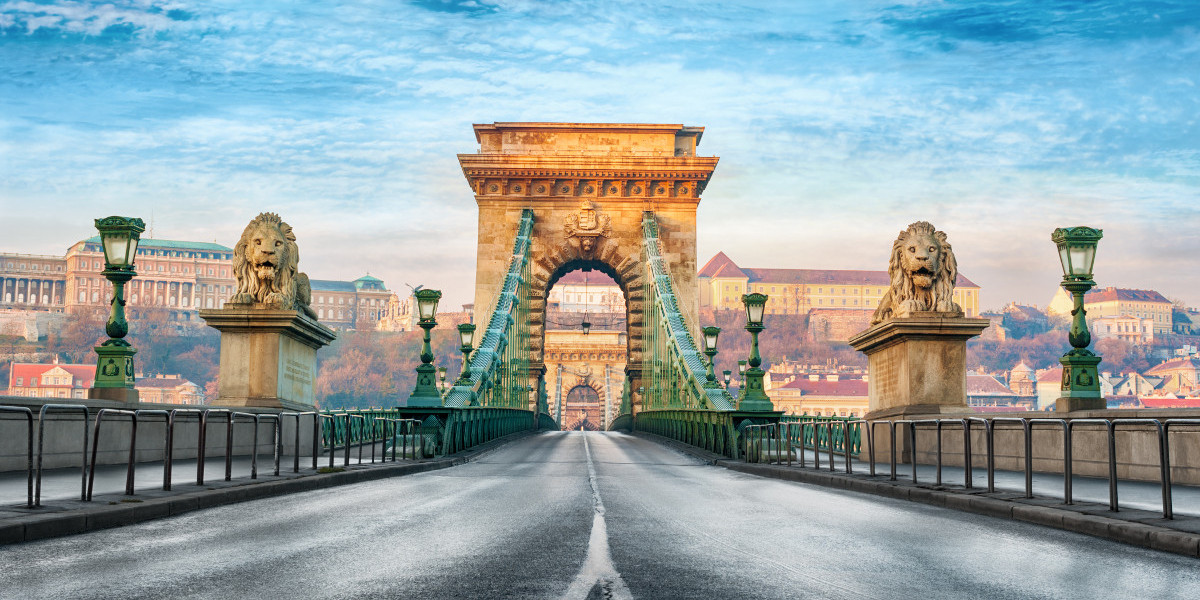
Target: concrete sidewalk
[(63, 513), (1130, 525)]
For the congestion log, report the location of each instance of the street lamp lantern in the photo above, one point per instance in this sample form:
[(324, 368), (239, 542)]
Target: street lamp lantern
[(427, 301), (1077, 250), (426, 392), (755, 305), (727, 374), (442, 378), (710, 337), (752, 396), (1080, 388), (119, 238), (587, 327), (710, 348), (466, 335)]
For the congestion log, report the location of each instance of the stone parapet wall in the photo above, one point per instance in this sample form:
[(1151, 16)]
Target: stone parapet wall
[(63, 444), (1136, 444)]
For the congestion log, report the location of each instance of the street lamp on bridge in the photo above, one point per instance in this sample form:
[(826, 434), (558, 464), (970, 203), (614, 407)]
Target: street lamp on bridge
[(727, 374), (752, 396), (466, 338), (426, 393), (710, 349), (114, 380), (1080, 380)]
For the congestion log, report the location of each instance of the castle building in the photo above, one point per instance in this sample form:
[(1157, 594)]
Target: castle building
[(830, 395), (340, 304), (798, 291), (587, 291), (177, 276), (60, 380), (1135, 330), (52, 380), (1119, 302)]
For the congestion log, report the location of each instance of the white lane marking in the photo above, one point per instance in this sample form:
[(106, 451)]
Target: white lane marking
[(597, 566)]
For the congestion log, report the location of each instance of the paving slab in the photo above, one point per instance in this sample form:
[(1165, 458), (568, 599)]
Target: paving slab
[(1134, 526), (70, 516)]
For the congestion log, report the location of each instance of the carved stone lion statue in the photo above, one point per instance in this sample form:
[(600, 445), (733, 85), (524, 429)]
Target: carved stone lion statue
[(264, 263), (922, 271)]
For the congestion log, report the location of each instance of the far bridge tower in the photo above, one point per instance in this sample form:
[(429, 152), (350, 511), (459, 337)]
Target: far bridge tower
[(588, 185)]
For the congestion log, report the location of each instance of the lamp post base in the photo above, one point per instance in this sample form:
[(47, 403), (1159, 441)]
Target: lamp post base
[(425, 394), (1080, 384), (754, 398), (114, 373)]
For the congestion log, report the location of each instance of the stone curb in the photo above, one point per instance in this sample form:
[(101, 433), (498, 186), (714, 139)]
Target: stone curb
[(115, 510), (978, 502)]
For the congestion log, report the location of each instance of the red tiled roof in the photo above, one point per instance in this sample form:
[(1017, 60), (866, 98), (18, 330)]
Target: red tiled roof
[(852, 312), (1185, 362), (161, 383), (721, 266), (1170, 402), (26, 371), (824, 387), (1050, 375), (986, 385), (1110, 294), (592, 277)]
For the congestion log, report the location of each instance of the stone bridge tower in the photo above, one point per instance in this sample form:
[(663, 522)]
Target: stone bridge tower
[(588, 185)]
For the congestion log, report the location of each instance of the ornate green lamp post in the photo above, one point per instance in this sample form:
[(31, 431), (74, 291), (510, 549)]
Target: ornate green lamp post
[(114, 367), (426, 393), (442, 379), (710, 349), (1080, 382), (466, 337), (752, 396), (727, 374)]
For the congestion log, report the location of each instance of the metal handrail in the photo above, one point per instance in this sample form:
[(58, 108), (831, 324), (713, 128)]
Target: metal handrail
[(96, 446), (29, 441), (166, 415), (46, 409), (202, 443), (169, 452), (1160, 427), (1168, 500)]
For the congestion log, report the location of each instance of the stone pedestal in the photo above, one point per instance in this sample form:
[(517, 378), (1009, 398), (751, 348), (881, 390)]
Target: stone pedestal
[(268, 357), (918, 364), (1080, 384), (114, 373)]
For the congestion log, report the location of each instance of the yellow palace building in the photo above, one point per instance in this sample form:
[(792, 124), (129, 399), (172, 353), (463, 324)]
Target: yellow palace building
[(797, 291)]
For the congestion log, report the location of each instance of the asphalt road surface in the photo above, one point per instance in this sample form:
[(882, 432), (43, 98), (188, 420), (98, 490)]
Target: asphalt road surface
[(574, 515)]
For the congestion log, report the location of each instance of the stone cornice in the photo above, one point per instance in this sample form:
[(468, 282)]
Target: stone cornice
[(922, 325), (587, 166), (584, 176), (254, 320)]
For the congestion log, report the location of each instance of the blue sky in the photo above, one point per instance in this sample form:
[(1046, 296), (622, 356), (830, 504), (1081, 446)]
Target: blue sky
[(837, 123)]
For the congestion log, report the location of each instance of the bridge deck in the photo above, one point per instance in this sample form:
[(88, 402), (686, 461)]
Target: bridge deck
[(527, 520)]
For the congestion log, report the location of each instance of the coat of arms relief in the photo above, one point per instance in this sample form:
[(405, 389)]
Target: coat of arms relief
[(587, 225)]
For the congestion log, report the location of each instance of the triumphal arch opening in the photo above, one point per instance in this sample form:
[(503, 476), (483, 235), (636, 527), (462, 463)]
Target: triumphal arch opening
[(588, 185)]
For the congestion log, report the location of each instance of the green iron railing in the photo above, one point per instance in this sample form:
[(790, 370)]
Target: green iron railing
[(500, 375), (829, 433), (674, 371), (712, 430), (337, 431)]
